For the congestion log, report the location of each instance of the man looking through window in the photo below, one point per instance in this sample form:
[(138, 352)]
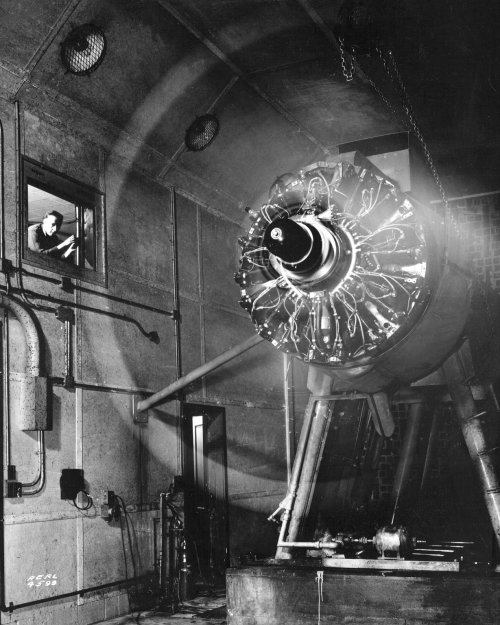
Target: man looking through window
[(42, 238)]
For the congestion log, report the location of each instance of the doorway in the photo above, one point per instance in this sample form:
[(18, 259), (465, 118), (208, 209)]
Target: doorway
[(205, 480)]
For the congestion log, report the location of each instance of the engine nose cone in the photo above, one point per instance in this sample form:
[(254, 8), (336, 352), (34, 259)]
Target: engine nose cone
[(291, 241)]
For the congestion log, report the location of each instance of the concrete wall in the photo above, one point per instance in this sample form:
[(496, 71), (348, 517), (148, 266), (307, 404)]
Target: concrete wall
[(92, 427)]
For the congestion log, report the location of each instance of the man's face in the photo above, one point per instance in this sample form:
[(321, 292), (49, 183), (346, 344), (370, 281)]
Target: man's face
[(50, 225)]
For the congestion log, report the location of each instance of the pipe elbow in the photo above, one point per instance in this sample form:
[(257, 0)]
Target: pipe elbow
[(30, 331)]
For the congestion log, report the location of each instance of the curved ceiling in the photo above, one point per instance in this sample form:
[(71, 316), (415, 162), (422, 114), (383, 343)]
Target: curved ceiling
[(271, 70)]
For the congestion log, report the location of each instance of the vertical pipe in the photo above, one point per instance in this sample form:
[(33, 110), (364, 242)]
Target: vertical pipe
[(5, 385), (177, 320), (407, 454), (431, 445), (79, 257), (175, 282), (2, 196), (289, 419), (173, 591), (20, 218), (2, 498), (163, 547), (471, 423), (69, 380)]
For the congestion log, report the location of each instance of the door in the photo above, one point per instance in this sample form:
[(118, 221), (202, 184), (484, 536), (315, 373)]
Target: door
[(205, 477)]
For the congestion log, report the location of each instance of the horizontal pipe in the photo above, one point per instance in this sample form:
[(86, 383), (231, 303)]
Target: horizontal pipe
[(311, 545), (108, 296), (152, 336), (16, 606), (199, 372), (58, 381)]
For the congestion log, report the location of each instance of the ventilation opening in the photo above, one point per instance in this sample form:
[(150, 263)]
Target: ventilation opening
[(83, 49), (202, 132)]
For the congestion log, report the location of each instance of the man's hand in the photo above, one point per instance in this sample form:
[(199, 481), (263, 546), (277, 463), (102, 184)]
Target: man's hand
[(67, 242), (72, 247)]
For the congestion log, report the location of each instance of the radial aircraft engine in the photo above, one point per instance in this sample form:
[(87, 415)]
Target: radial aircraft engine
[(343, 270)]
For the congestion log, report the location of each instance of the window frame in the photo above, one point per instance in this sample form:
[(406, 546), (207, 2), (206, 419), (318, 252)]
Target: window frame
[(75, 192)]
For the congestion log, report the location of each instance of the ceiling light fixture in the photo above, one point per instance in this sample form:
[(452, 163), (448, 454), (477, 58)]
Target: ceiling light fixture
[(83, 49), (202, 132)]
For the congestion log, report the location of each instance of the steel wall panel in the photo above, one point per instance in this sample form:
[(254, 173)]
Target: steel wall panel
[(111, 444), (188, 247), (138, 225), (113, 552), (38, 21), (256, 375), (40, 549), (272, 146), (160, 442), (257, 477), (191, 333), (49, 142), (142, 100), (116, 353), (256, 450), (220, 253)]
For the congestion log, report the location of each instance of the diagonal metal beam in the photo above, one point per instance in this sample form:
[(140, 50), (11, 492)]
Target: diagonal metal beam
[(43, 47), (222, 56), (199, 372)]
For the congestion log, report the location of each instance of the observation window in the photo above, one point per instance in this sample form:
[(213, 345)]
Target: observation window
[(63, 224)]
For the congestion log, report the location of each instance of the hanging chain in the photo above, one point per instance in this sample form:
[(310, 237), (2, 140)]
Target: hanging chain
[(388, 104), (409, 120), (348, 71), (392, 71), (451, 222)]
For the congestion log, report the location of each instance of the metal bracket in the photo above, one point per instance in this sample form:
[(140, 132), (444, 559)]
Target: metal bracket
[(137, 415), (65, 314)]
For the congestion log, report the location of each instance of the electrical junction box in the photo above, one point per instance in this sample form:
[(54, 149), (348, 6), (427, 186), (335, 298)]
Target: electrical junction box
[(28, 400), (71, 483)]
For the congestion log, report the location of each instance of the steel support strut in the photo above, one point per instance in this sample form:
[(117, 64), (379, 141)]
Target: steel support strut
[(470, 419), (407, 454), (306, 464)]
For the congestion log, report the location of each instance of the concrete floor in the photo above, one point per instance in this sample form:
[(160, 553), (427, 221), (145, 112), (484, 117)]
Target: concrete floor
[(208, 609)]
